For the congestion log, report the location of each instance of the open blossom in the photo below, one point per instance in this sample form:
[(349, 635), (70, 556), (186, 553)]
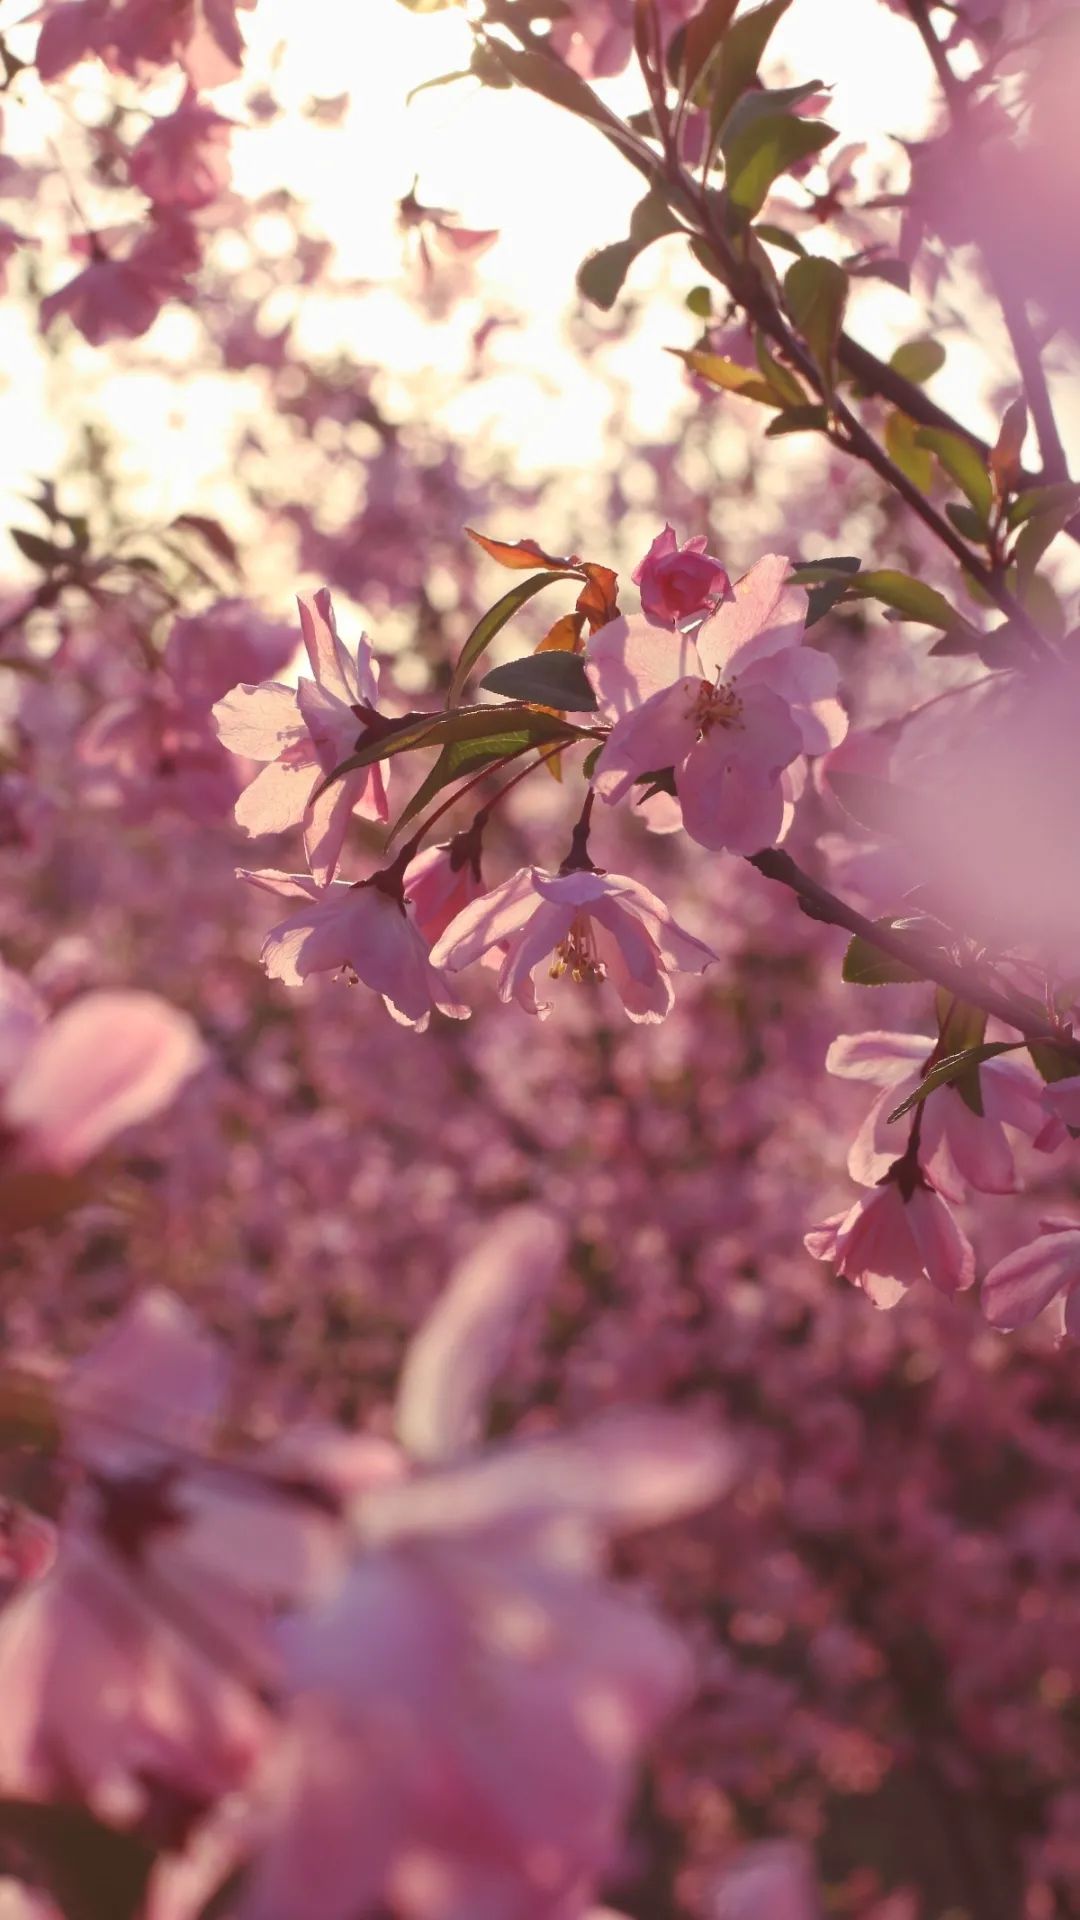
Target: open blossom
[(467, 1705), (305, 732), (595, 926), (957, 1147), (1045, 1273), (894, 1235), (679, 584), (132, 1669), (365, 931), (70, 1084), (182, 160), (728, 710)]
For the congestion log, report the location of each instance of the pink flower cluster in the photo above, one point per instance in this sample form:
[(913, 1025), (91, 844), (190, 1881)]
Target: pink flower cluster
[(358, 1670)]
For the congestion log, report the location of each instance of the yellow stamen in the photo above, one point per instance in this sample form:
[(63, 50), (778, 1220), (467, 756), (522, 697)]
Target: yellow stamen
[(577, 955)]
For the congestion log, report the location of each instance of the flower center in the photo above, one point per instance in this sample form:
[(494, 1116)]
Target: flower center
[(717, 706), (577, 954)]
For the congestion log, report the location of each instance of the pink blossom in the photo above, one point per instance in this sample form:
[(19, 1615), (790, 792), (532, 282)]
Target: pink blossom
[(469, 1704), (182, 160), (771, 1880), (133, 35), (72, 1083), (891, 1238), (594, 926), (596, 37), (304, 734), (108, 300), (728, 710), (131, 1669), (958, 1148), (680, 584), (440, 883), (365, 931), (1046, 1272)]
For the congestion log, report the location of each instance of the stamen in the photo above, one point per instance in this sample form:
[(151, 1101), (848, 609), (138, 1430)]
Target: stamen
[(718, 706), (577, 955)]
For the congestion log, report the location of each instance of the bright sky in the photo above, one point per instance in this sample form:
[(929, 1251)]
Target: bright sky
[(501, 159)]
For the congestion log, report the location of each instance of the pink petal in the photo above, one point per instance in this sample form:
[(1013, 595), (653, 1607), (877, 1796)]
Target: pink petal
[(806, 680), (762, 617), (154, 1380), (726, 806), (631, 659), (882, 1058), (487, 922), (259, 722), (1019, 1287), (106, 1062), (454, 1359), (277, 798), (328, 657), (658, 734), (947, 1255)]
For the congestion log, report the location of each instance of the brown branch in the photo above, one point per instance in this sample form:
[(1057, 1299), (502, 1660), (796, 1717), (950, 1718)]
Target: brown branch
[(966, 982)]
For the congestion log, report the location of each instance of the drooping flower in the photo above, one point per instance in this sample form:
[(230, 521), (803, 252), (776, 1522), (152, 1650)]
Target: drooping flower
[(896, 1234), (679, 584), (365, 931), (595, 926), (304, 733), (596, 37), (440, 883), (957, 1148), (728, 710), (72, 1083), (1045, 1273)]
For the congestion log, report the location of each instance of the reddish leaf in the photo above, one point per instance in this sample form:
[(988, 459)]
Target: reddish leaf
[(598, 601), (520, 554), (1005, 455), (564, 636)]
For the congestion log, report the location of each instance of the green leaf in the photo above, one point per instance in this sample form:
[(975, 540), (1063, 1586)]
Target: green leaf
[(763, 101), (866, 966), (548, 679), (959, 1027), (554, 81), (810, 419), (828, 582), (601, 276), (763, 151), (41, 553), (92, 1871), (777, 376), (458, 758), (955, 1067), (220, 543), (491, 623), (731, 376), (968, 522), (435, 730), (911, 597), (1039, 530), (699, 301), (740, 56), (903, 449), (695, 46), (1038, 500), (779, 237), (918, 360), (963, 463), (1053, 1062)]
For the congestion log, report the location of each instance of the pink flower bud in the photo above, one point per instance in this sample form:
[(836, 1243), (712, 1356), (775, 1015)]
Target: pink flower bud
[(680, 584)]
